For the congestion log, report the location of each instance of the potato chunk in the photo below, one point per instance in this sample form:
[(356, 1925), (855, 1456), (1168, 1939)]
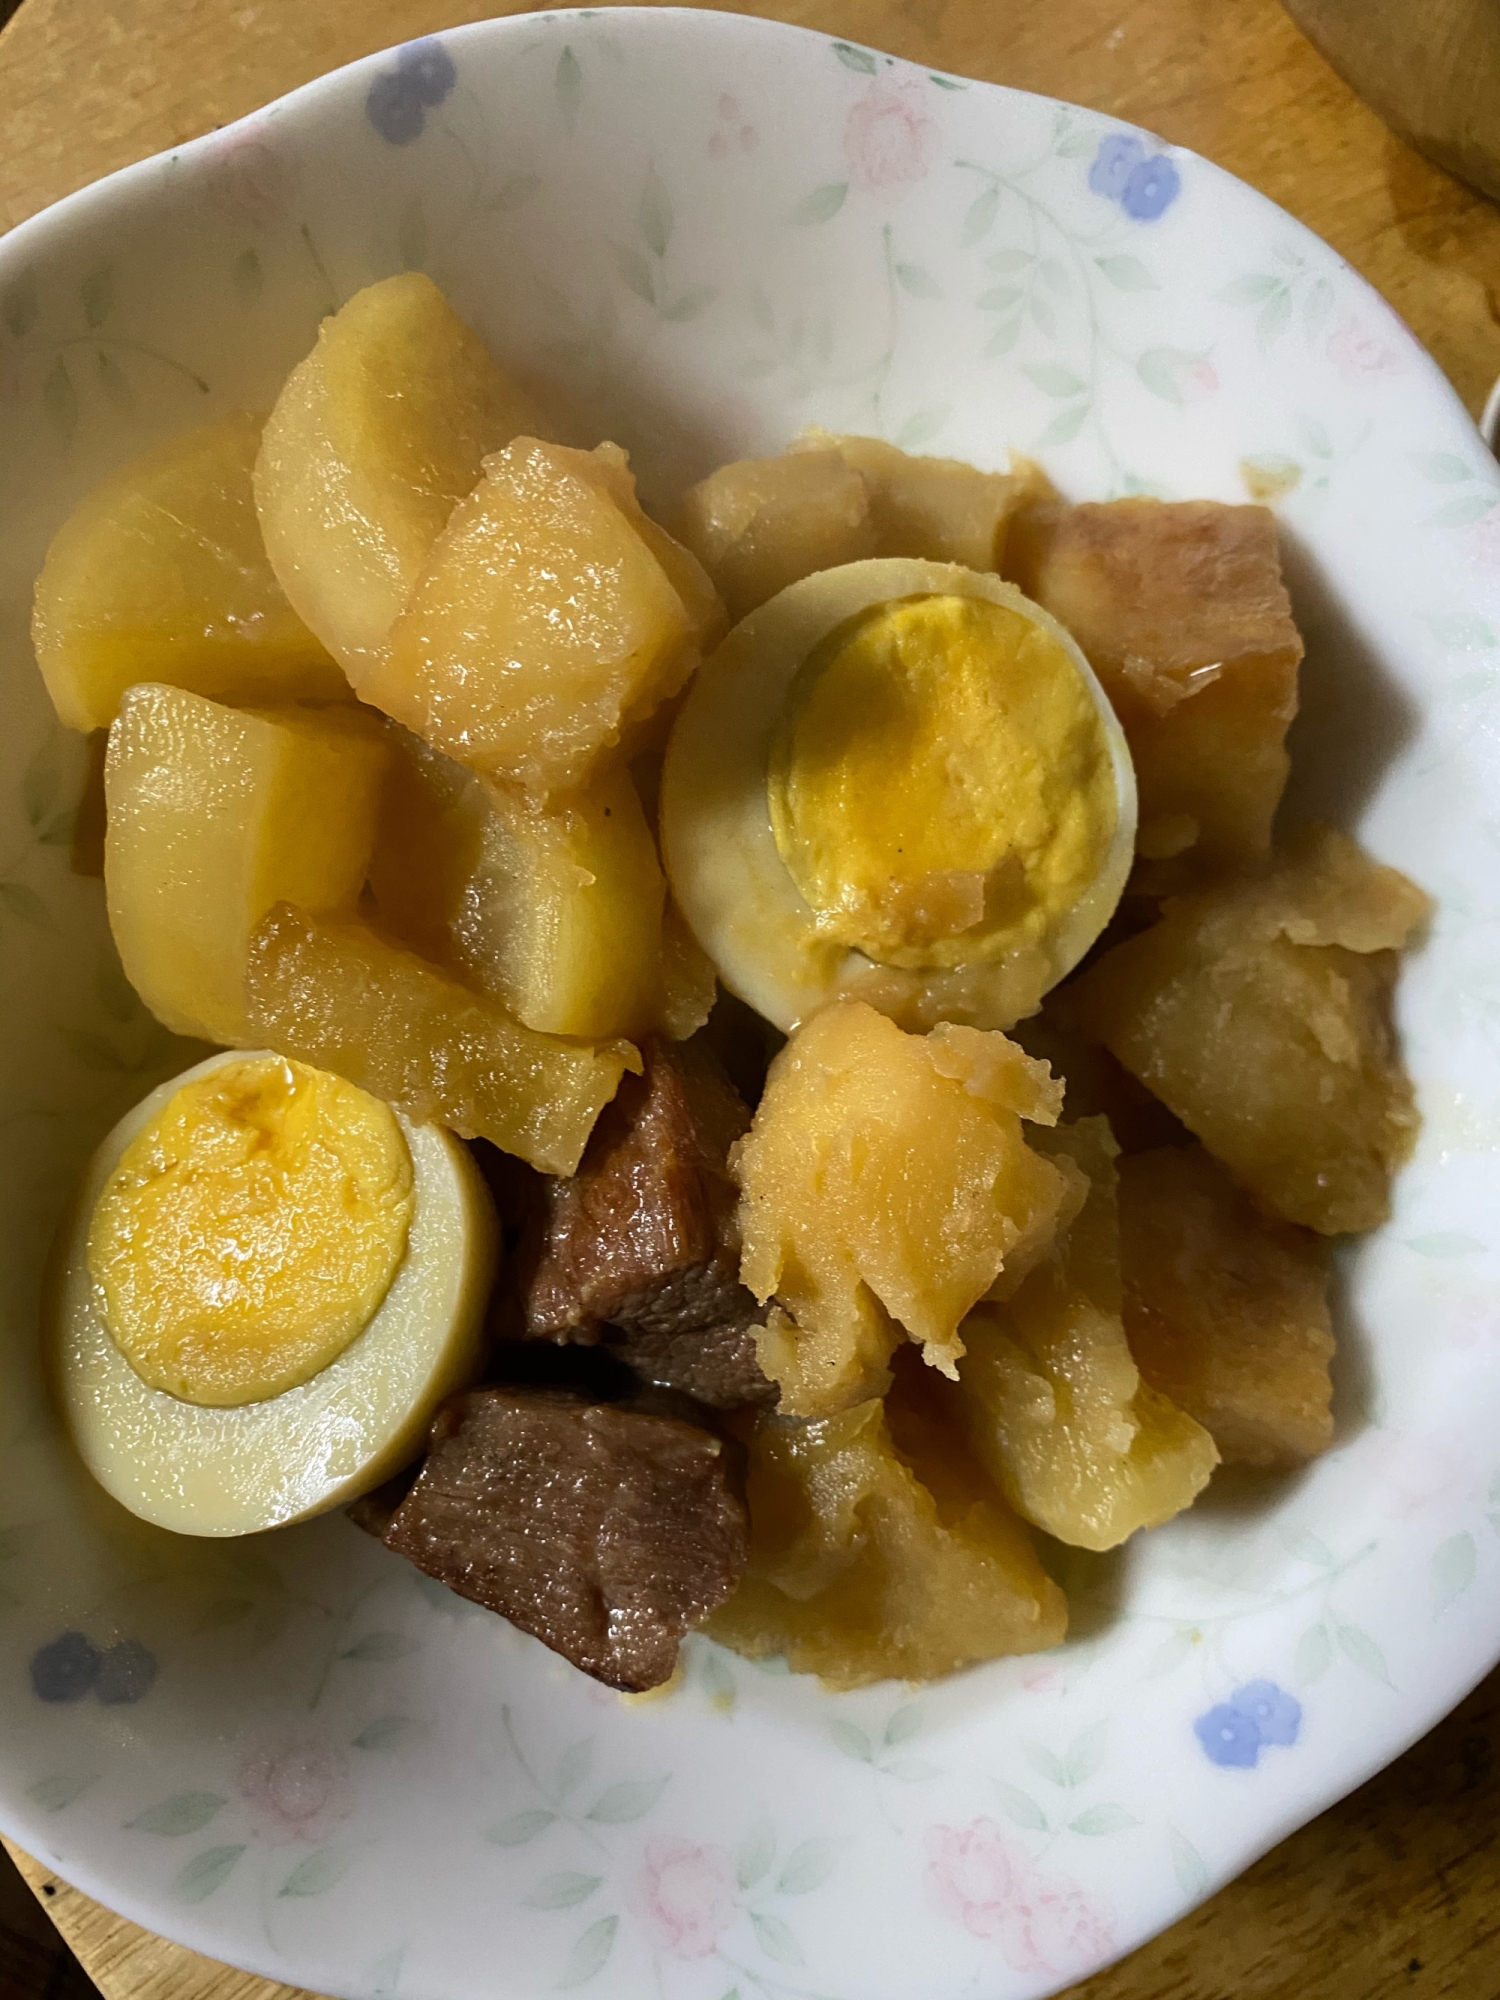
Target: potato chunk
[(557, 915), (937, 509), (1053, 1403), (884, 1183), (160, 574), (338, 996), (1182, 612), (545, 624), (375, 438), (762, 523), (1259, 1013), (213, 815), (1226, 1311), (871, 1558)]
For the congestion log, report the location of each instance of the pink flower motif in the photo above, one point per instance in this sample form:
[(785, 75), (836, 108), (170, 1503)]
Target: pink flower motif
[(1356, 352), (1042, 1923), (295, 1787), (1055, 1929), (1199, 381), (1038, 1680), (888, 139), (689, 1895), (976, 1874), (250, 180), (731, 130)]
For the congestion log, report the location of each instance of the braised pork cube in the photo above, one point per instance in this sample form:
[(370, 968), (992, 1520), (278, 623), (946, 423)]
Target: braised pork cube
[(1182, 612), (716, 1365), (641, 1248), (1259, 1012), (1226, 1310), (605, 1532)]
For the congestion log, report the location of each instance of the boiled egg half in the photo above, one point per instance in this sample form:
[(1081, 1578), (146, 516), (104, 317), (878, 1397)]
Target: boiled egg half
[(268, 1282), (898, 780)]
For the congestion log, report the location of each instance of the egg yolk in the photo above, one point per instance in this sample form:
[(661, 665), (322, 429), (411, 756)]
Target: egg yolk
[(251, 1231), (940, 785)]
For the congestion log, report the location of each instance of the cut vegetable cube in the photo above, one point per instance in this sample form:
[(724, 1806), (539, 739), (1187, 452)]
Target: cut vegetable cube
[(213, 815), (375, 438), (337, 995), (884, 1184), (937, 509), (875, 1556), (160, 574), (762, 523), (1226, 1311), (544, 626), (1054, 1405), (1259, 1013), (555, 914)]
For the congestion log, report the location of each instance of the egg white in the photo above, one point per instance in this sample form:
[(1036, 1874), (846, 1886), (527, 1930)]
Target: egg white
[(719, 846), (206, 1471)]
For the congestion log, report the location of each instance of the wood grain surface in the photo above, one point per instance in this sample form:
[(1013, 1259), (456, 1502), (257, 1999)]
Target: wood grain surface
[(1395, 1892)]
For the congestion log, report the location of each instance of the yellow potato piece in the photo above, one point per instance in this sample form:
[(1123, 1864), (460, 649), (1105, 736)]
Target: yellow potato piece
[(883, 1184), (213, 815), (544, 626), (339, 996), (251, 1231), (937, 509), (762, 523), (375, 438), (875, 1555), (556, 914), (1054, 1405), (197, 1469), (160, 574), (1259, 1013)]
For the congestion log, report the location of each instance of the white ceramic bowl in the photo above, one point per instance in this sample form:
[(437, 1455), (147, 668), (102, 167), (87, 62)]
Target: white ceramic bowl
[(295, 1753)]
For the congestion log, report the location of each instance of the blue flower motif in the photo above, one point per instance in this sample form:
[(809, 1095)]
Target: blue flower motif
[(1234, 1732), (126, 1672), (1144, 184), (1229, 1737), (1151, 187), (1277, 1714), (400, 98), (66, 1669), (71, 1666), (1117, 157)]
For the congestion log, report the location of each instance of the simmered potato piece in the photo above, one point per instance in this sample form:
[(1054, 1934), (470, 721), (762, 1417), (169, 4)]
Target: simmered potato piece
[(884, 1183), (556, 914), (1258, 1012), (1095, 1083), (762, 523), (160, 574), (1182, 612), (544, 625), (1226, 1311), (1055, 1406), (375, 438), (869, 1559), (690, 985), (214, 814), (938, 509), (336, 995)]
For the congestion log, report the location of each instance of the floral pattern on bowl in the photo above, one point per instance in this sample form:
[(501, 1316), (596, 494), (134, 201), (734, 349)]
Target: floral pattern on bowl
[(701, 233)]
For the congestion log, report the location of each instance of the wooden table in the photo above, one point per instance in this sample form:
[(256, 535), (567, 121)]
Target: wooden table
[(1396, 1891)]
